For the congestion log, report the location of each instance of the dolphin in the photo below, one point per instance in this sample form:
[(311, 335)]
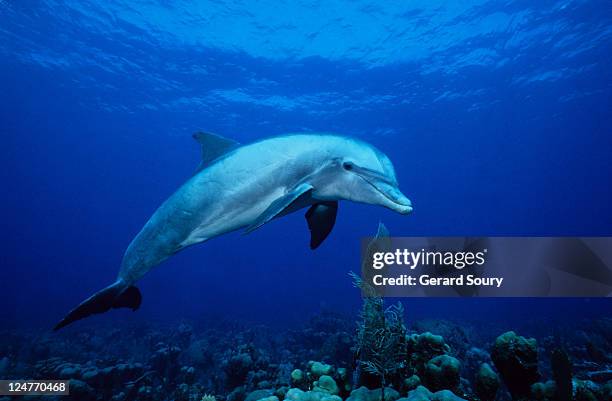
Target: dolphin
[(245, 187)]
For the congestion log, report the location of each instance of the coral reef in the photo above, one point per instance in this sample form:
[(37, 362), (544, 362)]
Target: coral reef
[(327, 385), (562, 373), (516, 359), (486, 383), (442, 372), (365, 394), (295, 394), (423, 394), (243, 363)]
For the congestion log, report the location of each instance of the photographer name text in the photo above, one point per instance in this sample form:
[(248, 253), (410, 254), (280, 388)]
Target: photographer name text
[(439, 264)]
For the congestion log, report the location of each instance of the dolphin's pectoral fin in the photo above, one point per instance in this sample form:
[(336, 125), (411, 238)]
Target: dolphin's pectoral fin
[(283, 205), (213, 146), (321, 218)]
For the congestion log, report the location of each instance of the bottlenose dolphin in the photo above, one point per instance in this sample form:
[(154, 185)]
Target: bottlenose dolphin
[(245, 187)]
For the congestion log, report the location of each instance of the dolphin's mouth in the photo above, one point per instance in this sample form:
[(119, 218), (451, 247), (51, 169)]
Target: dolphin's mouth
[(404, 204), (399, 202)]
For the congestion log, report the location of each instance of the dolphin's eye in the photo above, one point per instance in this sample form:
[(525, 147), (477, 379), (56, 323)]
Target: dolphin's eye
[(347, 166)]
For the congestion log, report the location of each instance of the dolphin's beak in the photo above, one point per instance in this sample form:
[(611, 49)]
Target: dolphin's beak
[(395, 199), (392, 197)]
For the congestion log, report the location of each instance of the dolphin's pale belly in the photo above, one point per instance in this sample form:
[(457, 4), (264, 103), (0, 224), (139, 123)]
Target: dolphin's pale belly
[(167, 233), (235, 214), (223, 204)]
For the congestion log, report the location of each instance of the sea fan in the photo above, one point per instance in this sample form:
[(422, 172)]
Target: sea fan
[(381, 334)]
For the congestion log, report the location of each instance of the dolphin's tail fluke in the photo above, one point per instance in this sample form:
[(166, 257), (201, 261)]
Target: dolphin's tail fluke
[(117, 295)]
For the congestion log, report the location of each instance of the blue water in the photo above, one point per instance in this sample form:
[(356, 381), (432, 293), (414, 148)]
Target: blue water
[(496, 115)]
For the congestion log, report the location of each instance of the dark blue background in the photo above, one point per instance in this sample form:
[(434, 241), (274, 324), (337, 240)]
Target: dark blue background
[(497, 118)]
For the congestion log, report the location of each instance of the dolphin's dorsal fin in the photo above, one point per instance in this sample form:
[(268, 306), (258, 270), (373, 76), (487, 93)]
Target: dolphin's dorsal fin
[(213, 146)]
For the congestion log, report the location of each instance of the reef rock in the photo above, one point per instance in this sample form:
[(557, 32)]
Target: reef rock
[(365, 394), (474, 358), (423, 394), (586, 390), (236, 368), (411, 383), (188, 373), (583, 390), (456, 335), (442, 373), (68, 370), (298, 378), (317, 369), (487, 383), (258, 395), (198, 354), (111, 376), (516, 359), (270, 398), (165, 359), (327, 385), (237, 394), (281, 392), (295, 394), (423, 347), (543, 391), (343, 379), (80, 390)]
